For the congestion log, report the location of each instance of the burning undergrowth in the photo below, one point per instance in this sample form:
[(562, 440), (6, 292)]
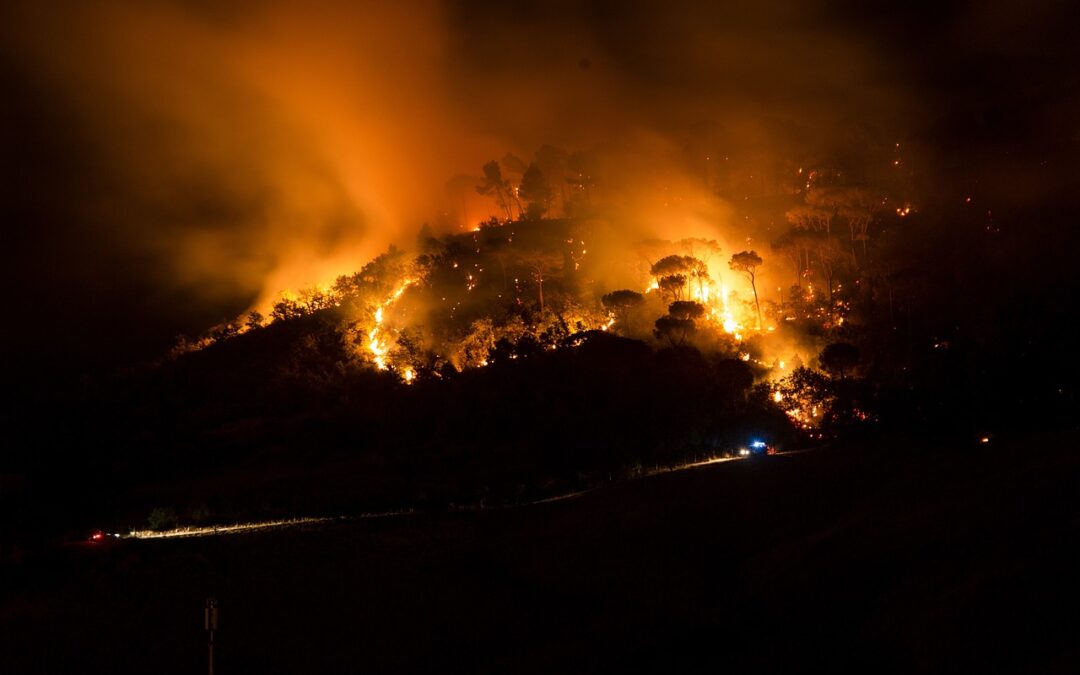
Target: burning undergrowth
[(515, 290)]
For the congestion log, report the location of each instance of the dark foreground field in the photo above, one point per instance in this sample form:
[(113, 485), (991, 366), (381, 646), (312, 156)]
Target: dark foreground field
[(925, 560)]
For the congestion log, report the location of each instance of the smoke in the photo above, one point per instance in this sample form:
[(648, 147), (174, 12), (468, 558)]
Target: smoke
[(189, 161), (245, 153)]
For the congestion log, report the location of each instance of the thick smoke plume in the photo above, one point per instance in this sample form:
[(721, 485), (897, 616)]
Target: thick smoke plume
[(191, 161)]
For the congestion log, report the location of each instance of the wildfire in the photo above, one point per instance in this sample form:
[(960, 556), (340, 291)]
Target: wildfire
[(376, 345), (727, 310), (718, 305), (727, 318)]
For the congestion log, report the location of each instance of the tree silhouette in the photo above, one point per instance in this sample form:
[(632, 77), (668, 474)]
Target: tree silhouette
[(747, 262), (553, 162), (675, 330), (856, 205), (494, 185), (536, 190), (673, 285), (541, 267), (829, 256), (670, 265), (622, 300), (700, 252), (838, 358), (682, 309), (581, 167), (810, 217), (672, 273), (794, 246)]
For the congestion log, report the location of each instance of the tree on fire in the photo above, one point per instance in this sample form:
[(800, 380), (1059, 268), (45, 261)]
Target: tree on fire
[(621, 302), (673, 286), (701, 251), (747, 262), (674, 271)]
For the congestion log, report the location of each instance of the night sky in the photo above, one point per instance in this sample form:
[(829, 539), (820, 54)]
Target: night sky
[(166, 165), (518, 336)]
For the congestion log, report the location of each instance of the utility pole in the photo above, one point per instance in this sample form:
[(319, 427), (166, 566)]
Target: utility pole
[(210, 620)]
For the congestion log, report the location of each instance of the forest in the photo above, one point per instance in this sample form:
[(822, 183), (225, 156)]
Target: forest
[(549, 347)]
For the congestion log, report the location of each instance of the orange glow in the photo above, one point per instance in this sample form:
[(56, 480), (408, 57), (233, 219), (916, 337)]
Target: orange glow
[(377, 345)]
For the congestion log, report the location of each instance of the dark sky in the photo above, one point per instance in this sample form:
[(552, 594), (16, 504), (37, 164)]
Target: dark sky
[(167, 164)]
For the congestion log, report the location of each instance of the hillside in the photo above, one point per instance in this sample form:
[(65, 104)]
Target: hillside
[(942, 559)]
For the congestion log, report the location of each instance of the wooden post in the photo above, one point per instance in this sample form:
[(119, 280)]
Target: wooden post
[(210, 621)]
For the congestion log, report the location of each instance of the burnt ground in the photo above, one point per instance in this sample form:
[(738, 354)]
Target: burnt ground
[(897, 560)]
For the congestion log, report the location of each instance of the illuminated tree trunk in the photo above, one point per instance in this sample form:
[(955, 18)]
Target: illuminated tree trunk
[(757, 306), (538, 274)]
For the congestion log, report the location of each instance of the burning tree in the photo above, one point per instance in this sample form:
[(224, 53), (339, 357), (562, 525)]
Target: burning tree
[(674, 271), (672, 285), (620, 303), (700, 251), (747, 262)]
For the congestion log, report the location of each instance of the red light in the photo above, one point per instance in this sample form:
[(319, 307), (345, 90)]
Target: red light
[(97, 536)]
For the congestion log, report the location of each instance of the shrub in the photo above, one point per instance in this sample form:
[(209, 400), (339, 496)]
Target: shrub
[(162, 518)]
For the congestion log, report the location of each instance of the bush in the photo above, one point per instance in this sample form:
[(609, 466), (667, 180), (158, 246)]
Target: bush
[(199, 514), (162, 518)]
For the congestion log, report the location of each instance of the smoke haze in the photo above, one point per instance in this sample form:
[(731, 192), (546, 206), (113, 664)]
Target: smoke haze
[(180, 162)]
